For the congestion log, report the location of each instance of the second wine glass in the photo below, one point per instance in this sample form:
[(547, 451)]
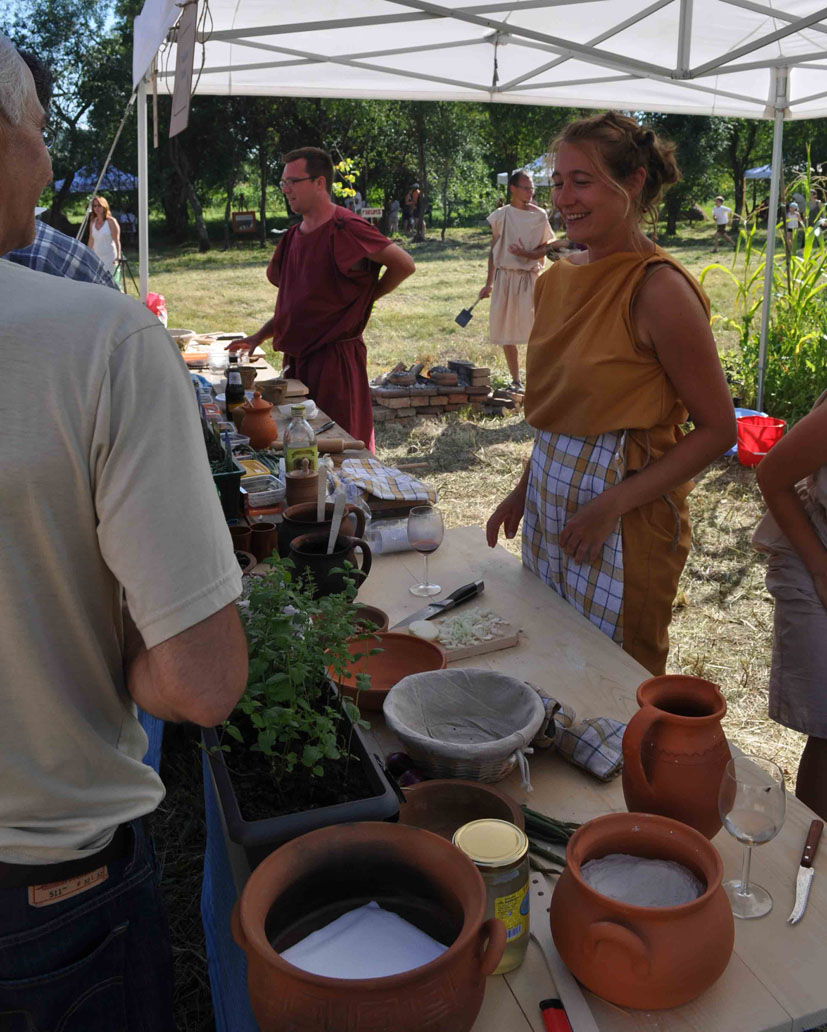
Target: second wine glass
[(425, 530), (752, 802)]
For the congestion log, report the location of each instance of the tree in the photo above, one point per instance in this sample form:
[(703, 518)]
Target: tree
[(454, 152), (745, 141)]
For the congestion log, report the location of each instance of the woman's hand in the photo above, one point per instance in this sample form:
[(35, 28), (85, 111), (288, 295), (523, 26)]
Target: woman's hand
[(485, 292), (519, 251), (507, 515), (586, 532)]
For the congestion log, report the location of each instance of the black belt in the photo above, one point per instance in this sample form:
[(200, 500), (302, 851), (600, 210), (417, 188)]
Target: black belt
[(15, 876)]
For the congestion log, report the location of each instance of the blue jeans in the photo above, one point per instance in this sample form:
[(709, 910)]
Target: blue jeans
[(97, 962)]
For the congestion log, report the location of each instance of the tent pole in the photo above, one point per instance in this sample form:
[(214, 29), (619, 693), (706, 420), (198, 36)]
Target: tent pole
[(143, 194), (780, 95)]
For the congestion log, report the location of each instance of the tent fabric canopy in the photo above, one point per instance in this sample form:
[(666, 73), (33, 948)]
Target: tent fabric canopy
[(685, 56), (86, 178)]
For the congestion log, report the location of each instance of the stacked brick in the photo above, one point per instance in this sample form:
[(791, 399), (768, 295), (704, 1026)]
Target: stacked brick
[(473, 388)]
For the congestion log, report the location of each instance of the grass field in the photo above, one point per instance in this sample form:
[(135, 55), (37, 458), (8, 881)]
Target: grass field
[(723, 615)]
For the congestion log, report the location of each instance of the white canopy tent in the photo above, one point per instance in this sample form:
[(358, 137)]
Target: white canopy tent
[(745, 58)]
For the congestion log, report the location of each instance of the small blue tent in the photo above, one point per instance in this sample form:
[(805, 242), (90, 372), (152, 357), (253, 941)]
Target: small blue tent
[(85, 179)]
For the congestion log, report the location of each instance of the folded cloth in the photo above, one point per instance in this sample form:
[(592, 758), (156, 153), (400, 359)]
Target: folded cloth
[(386, 481), (595, 744)]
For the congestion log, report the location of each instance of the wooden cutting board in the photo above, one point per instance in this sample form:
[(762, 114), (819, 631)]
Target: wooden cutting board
[(506, 637)]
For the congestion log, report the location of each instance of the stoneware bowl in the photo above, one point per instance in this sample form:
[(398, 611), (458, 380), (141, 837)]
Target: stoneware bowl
[(443, 806), (316, 878), (371, 618), (648, 958), (401, 654)]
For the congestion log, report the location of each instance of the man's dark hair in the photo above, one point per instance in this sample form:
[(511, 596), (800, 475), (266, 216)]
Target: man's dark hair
[(319, 163), (515, 177), (43, 81)]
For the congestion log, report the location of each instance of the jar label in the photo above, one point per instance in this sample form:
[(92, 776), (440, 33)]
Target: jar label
[(513, 910), (293, 457)]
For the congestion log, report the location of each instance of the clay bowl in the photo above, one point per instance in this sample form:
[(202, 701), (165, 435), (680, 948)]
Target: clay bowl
[(273, 390), (445, 805), (401, 654), (644, 957), (371, 618)]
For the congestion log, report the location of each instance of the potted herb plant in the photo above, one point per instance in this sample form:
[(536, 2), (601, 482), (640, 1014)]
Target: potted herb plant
[(292, 757)]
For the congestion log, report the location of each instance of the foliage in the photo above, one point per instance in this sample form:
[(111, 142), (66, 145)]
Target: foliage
[(796, 361), (293, 640), (347, 172)]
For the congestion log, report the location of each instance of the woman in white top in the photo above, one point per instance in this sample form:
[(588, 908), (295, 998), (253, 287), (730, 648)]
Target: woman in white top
[(104, 234)]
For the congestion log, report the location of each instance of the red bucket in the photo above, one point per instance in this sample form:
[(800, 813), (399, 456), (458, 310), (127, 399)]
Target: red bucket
[(756, 435)]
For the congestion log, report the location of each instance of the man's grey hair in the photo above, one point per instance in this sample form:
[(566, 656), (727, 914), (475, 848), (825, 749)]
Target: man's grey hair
[(15, 85)]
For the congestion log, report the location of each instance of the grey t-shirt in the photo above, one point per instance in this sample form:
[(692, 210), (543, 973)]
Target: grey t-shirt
[(104, 488)]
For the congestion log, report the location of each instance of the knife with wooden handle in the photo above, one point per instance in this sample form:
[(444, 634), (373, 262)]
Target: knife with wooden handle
[(806, 872)]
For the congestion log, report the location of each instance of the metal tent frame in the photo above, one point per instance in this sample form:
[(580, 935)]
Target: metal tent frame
[(715, 57)]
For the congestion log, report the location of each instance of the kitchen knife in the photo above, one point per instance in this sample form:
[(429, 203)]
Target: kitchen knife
[(579, 1016), (805, 872), (463, 594)]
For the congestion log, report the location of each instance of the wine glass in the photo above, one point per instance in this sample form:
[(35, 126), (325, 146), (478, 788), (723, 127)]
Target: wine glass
[(425, 532), (751, 802)]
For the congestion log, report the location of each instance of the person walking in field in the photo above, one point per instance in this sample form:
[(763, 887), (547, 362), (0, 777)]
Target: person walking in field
[(720, 216), (519, 234)]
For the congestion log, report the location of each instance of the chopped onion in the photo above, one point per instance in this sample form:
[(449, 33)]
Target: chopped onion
[(423, 629), (469, 628)]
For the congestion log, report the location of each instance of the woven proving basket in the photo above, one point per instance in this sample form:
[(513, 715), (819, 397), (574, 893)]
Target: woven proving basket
[(464, 723)]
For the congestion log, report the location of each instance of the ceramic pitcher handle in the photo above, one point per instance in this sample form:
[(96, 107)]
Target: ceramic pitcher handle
[(366, 555), (493, 954), (624, 938), (360, 520), (636, 731)]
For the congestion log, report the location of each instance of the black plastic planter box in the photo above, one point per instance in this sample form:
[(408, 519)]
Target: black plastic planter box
[(229, 490), (259, 838)]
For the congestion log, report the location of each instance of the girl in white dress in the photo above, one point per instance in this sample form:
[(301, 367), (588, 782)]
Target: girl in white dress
[(104, 234)]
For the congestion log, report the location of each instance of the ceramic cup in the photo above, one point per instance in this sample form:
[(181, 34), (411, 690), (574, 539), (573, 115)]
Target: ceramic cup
[(263, 540), (241, 537), (301, 487), (308, 552)]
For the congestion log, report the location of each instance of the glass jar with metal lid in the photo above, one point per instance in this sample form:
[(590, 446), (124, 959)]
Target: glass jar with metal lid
[(500, 851)]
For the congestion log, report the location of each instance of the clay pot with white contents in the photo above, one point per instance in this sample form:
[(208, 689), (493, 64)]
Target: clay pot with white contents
[(314, 879), (646, 957), (675, 751)]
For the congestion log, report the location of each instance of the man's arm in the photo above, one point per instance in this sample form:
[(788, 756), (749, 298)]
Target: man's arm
[(252, 342), (198, 675), (398, 266)]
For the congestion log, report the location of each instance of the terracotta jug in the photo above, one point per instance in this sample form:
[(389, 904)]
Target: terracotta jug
[(644, 957), (257, 423), (675, 751), (301, 519), (316, 878), (309, 552)]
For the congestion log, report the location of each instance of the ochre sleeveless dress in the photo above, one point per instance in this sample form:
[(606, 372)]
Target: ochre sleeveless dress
[(604, 408)]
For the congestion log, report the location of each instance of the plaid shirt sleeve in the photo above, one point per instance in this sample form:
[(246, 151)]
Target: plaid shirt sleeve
[(57, 254)]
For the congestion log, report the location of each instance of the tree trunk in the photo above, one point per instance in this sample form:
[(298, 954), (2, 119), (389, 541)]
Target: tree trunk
[(262, 208), (444, 208), (181, 165), (228, 229), (673, 210), (419, 214)]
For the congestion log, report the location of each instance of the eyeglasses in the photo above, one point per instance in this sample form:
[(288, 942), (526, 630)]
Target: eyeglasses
[(284, 183)]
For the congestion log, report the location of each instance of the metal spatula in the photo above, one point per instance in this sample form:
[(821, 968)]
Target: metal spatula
[(465, 316)]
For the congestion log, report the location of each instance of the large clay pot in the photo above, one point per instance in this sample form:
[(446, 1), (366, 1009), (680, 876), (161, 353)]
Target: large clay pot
[(312, 880), (257, 423), (675, 752), (309, 552), (301, 519), (648, 958)]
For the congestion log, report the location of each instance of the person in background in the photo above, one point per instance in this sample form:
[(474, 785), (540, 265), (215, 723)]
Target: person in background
[(500, 202), (327, 272), (54, 252), (720, 216), (411, 207), (620, 355), (793, 480), (792, 223), (816, 204), (519, 234), (393, 219), (104, 603), (104, 234)]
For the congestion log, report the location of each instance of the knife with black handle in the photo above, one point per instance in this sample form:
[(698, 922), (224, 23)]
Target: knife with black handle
[(456, 598)]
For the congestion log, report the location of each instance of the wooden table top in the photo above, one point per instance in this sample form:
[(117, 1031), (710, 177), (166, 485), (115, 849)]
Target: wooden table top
[(777, 977)]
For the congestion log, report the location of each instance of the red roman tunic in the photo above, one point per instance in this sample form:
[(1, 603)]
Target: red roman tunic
[(326, 290)]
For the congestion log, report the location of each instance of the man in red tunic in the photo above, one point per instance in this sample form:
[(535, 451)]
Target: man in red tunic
[(327, 272)]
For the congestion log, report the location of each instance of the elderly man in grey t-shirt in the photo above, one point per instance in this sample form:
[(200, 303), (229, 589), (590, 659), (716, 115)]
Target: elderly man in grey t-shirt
[(91, 495)]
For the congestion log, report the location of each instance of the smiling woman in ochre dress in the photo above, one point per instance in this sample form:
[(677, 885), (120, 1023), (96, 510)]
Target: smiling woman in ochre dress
[(620, 356)]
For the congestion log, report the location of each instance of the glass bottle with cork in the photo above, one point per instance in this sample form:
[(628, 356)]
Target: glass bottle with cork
[(234, 392), (299, 442), (500, 851)]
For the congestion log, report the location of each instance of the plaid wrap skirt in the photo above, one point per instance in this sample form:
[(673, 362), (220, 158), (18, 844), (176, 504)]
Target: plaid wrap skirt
[(564, 474)]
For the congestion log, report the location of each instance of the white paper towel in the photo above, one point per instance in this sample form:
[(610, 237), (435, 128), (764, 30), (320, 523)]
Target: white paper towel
[(368, 942)]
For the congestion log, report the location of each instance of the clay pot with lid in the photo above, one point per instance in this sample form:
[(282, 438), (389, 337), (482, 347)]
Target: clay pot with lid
[(675, 751), (645, 957), (257, 423), (316, 878)]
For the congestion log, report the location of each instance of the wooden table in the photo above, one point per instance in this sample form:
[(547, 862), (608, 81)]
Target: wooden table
[(777, 977)]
